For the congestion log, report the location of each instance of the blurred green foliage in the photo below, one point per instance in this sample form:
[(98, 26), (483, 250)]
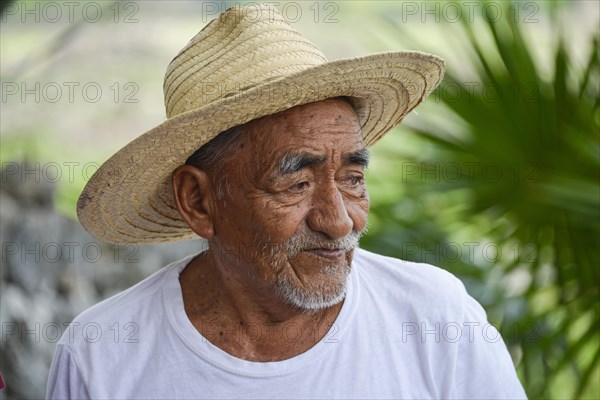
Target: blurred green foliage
[(515, 167)]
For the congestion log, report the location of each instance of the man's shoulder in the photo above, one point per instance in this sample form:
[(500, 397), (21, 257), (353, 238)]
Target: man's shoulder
[(418, 286), (129, 305), (393, 270)]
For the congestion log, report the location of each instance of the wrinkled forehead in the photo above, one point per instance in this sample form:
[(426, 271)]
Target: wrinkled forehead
[(318, 122), (324, 130)]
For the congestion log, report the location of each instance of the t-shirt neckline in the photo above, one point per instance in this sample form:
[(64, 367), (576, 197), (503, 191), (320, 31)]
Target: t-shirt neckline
[(172, 299)]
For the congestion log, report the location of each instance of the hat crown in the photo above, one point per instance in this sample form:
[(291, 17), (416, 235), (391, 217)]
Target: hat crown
[(240, 49)]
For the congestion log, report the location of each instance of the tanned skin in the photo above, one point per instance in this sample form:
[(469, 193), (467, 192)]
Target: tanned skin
[(229, 290)]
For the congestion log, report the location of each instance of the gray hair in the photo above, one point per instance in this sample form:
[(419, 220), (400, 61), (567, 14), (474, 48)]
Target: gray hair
[(212, 156)]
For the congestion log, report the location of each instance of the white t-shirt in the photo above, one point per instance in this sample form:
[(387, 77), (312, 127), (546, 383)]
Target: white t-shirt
[(405, 331)]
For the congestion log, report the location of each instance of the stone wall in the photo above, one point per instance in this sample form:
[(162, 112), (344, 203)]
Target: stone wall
[(51, 270)]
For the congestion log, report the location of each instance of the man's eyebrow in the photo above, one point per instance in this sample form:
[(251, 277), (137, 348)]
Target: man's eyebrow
[(360, 157), (293, 162)]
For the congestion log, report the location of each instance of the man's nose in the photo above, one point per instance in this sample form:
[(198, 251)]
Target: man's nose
[(328, 214)]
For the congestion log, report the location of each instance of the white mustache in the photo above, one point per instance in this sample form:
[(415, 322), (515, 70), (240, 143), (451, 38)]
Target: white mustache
[(302, 242)]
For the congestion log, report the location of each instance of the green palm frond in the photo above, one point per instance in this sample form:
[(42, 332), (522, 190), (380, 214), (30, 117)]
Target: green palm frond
[(539, 138)]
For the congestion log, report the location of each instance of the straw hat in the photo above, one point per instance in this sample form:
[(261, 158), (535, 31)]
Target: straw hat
[(245, 64)]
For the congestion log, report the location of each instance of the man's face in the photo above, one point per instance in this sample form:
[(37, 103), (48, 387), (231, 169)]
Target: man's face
[(295, 204)]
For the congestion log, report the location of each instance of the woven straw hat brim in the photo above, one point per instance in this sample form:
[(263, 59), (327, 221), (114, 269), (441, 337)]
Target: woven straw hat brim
[(129, 199)]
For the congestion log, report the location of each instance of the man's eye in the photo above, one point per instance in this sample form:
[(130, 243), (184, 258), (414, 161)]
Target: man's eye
[(356, 180), (298, 187)]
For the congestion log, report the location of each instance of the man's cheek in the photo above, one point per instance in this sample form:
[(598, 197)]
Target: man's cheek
[(264, 247), (366, 202), (274, 222), (358, 211)]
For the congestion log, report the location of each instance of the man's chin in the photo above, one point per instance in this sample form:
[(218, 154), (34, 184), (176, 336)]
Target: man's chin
[(322, 305), (317, 292), (316, 304)]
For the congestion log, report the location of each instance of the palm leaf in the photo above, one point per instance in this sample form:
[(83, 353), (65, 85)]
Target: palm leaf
[(544, 135)]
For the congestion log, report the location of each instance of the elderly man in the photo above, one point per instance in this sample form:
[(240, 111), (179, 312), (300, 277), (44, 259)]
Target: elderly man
[(263, 154)]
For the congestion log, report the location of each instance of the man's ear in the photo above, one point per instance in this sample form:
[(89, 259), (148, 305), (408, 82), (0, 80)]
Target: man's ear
[(193, 194)]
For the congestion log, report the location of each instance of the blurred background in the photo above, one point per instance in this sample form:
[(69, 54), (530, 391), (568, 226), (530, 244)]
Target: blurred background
[(494, 178)]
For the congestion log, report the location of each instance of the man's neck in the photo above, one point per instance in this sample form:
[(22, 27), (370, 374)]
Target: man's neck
[(250, 324)]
